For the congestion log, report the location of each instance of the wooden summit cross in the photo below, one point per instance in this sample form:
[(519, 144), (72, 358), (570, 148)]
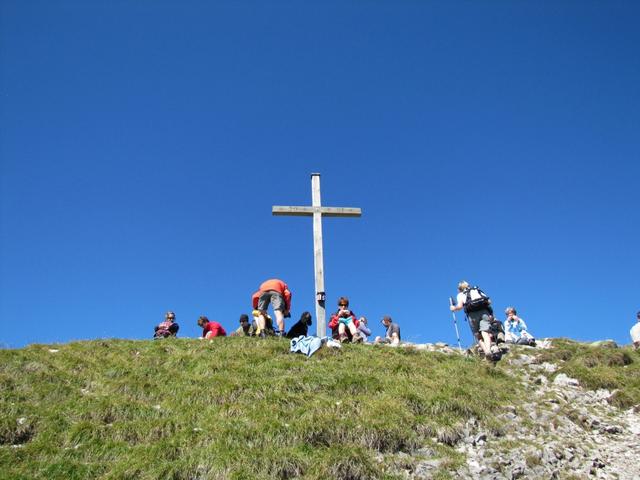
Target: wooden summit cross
[(318, 211)]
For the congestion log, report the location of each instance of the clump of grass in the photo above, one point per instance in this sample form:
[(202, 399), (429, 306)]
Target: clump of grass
[(233, 408), (599, 367)]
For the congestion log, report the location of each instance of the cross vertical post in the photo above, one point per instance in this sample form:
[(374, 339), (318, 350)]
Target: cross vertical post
[(317, 211), (318, 259)]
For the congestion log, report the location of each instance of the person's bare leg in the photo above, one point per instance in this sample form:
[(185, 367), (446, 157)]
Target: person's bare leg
[(261, 321), (353, 330), (486, 343), (280, 320), (341, 329)]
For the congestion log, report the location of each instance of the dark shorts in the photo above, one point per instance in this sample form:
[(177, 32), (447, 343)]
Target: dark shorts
[(273, 297), (479, 321)]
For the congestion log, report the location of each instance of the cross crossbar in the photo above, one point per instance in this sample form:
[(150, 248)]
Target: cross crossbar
[(309, 211), (317, 211)]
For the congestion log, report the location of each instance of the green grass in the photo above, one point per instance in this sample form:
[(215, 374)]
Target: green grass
[(233, 408), (238, 408), (599, 367)]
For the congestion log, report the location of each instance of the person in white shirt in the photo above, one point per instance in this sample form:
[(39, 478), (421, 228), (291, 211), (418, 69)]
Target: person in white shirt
[(635, 333), (479, 316)]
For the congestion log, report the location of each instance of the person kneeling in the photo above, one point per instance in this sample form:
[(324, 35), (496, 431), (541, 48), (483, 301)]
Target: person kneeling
[(210, 329)]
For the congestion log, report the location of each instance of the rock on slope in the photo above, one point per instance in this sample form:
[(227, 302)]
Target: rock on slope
[(563, 431)]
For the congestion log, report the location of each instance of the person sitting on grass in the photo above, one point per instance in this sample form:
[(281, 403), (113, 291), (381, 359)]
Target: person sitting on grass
[(345, 320), (516, 330), (210, 329), (301, 327), (168, 328), (245, 329), (392, 335), (363, 329)]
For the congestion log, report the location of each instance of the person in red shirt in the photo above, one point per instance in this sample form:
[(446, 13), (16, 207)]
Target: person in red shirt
[(276, 293), (343, 321), (211, 329)]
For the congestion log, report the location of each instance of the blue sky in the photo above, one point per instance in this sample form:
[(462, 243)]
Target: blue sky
[(142, 145)]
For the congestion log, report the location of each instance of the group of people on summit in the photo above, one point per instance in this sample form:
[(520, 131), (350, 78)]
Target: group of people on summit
[(489, 333), (345, 326)]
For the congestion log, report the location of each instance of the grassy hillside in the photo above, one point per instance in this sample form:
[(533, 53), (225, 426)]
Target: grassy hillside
[(241, 408)]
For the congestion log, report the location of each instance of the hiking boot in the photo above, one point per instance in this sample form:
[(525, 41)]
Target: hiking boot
[(357, 338), (343, 338)]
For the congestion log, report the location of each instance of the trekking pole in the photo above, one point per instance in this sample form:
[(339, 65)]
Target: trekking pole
[(455, 323)]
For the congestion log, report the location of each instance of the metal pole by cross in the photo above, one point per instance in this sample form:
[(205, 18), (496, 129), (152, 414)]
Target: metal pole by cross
[(318, 211)]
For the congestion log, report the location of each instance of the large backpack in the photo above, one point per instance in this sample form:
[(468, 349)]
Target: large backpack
[(476, 300)]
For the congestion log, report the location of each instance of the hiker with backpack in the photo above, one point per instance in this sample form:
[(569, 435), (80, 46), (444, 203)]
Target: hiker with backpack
[(168, 328), (516, 330), (477, 308), (276, 293)]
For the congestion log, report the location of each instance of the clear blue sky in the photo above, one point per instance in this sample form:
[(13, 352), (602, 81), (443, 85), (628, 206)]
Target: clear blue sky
[(142, 145)]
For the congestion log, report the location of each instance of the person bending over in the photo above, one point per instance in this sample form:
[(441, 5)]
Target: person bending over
[(276, 293)]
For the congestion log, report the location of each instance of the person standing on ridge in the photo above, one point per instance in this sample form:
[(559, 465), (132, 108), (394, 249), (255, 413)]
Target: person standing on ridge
[(635, 333), (276, 293), (477, 307)]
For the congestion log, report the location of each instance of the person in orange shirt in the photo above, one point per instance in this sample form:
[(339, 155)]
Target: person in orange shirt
[(276, 293)]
